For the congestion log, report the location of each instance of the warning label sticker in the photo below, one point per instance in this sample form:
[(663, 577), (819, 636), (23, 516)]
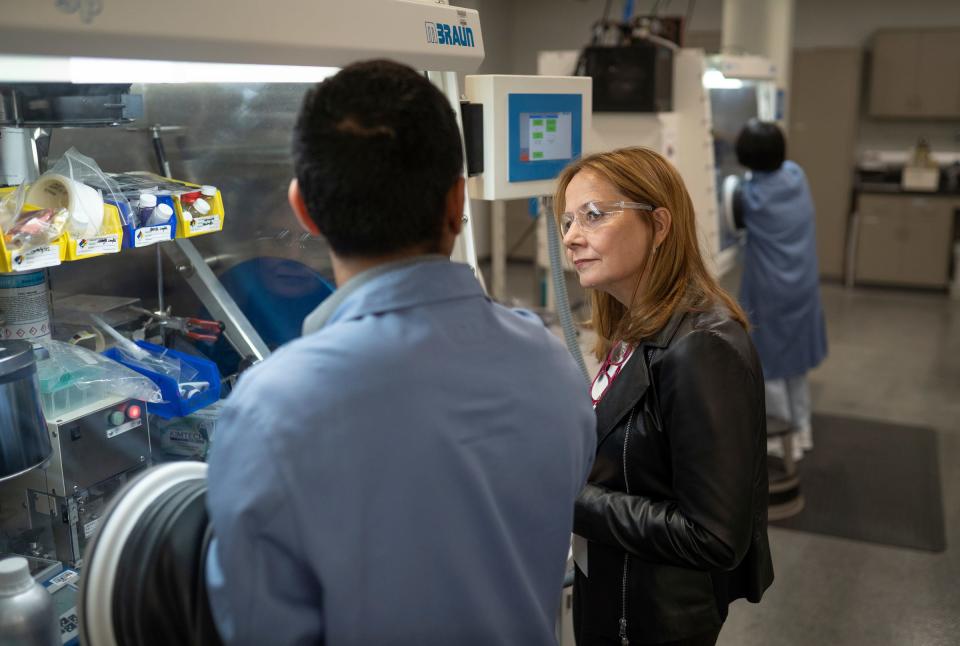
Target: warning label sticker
[(205, 224), (25, 302), (47, 256), (147, 236), (90, 527), (101, 244)]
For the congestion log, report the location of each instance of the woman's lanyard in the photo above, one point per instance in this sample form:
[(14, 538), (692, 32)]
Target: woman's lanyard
[(609, 370)]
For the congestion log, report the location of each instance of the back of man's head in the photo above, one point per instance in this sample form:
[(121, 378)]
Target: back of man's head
[(761, 146), (376, 150)]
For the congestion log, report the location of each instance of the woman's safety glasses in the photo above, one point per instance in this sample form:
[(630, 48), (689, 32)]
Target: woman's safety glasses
[(593, 214)]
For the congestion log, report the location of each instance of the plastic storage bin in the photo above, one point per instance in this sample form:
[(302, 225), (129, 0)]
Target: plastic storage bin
[(146, 236), (210, 223), (107, 241), (174, 405), (66, 247), (47, 256)]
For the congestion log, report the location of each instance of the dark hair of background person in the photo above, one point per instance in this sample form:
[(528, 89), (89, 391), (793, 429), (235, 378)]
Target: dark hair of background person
[(761, 146), (376, 149)]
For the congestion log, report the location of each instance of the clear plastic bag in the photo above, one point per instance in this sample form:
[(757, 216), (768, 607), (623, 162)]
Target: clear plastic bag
[(72, 377), (25, 227), (75, 182), (190, 436), (140, 182), (35, 228), (160, 363), (163, 364), (136, 185), (10, 206)]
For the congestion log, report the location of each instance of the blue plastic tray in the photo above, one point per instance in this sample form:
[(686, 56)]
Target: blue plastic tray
[(132, 234), (174, 405)]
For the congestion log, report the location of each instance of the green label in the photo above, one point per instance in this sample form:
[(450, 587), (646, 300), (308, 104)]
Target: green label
[(538, 155), (538, 122), (537, 135), (551, 125)]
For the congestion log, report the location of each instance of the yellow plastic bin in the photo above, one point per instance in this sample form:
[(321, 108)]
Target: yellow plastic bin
[(106, 241), (198, 226), (46, 256)]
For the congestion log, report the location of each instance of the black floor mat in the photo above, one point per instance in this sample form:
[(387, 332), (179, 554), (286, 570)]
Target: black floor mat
[(872, 481)]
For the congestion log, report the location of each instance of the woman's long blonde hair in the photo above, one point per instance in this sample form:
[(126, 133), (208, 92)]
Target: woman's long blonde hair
[(677, 277)]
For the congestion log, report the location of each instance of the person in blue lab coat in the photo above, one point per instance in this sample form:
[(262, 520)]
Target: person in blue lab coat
[(780, 288), (405, 472)]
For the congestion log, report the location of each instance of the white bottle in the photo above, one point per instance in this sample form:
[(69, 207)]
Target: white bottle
[(204, 204), (201, 207), (146, 207), (160, 215), (26, 608)]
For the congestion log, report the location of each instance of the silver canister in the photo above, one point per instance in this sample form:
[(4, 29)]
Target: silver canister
[(27, 617), (24, 441)]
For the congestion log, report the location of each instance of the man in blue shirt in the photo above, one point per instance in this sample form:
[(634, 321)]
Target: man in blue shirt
[(405, 472)]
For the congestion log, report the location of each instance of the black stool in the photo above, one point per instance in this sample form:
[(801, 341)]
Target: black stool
[(786, 500)]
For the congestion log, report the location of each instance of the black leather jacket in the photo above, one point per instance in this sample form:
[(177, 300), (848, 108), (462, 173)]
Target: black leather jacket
[(675, 511)]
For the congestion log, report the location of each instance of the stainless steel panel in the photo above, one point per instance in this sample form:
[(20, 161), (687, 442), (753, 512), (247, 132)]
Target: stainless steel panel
[(24, 443), (91, 448), (731, 108), (221, 306), (235, 136)]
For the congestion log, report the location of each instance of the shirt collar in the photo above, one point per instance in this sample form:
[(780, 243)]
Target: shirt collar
[(395, 285)]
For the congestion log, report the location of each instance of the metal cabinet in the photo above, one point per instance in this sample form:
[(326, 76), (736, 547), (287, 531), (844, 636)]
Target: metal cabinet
[(915, 73), (822, 138), (904, 239)]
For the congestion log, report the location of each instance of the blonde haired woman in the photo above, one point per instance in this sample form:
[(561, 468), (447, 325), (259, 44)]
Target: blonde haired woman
[(672, 526)]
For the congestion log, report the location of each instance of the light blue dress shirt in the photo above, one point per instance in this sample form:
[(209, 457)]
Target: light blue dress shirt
[(404, 475)]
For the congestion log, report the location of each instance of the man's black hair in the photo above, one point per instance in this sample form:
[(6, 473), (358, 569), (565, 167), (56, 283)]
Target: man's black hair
[(376, 150), (761, 146)]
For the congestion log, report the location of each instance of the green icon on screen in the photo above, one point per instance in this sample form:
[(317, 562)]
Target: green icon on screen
[(537, 135), (538, 155), (551, 125), (538, 122)]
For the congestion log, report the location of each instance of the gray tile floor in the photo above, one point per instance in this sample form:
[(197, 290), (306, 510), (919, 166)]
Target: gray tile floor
[(894, 356)]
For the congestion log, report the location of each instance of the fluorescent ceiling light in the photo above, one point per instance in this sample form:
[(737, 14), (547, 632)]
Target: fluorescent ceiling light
[(715, 80), (50, 69)]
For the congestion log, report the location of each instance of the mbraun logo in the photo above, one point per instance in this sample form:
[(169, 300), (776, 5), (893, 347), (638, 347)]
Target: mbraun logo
[(453, 35)]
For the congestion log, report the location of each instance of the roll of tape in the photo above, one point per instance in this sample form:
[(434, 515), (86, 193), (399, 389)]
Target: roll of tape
[(89, 339), (84, 203)]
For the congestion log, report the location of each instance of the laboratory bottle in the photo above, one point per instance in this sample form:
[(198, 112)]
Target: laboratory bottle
[(204, 204), (145, 207), (186, 204), (27, 617), (201, 207), (161, 215)]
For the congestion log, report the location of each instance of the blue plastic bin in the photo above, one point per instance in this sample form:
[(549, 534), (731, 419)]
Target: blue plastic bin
[(132, 234), (174, 405)]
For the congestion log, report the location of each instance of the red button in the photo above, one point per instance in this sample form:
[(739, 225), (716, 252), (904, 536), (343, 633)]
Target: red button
[(133, 411)]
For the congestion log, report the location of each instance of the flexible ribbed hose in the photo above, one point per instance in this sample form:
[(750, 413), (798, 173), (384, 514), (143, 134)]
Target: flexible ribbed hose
[(560, 286)]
